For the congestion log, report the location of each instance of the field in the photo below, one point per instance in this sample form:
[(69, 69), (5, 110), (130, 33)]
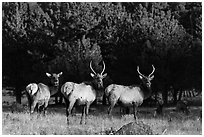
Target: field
[(17, 121)]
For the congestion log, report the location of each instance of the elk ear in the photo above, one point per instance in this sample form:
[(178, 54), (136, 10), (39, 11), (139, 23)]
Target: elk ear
[(48, 74), (104, 75), (140, 76), (60, 74), (92, 75)]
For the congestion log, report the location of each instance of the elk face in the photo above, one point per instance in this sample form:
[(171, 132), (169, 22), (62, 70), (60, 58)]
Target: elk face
[(54, 78), (98, 78), (146, 79)]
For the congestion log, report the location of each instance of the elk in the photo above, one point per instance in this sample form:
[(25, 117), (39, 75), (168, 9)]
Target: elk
[(83, 94), (54, 85), (39, 94), (130, 95)]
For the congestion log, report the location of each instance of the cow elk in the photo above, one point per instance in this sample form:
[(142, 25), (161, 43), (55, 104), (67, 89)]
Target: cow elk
[(39, 94), (83, 94), (54, 85), (130, 95)]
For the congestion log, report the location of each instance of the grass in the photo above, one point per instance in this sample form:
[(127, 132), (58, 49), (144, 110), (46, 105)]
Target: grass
[(17, 121), (54, 123)]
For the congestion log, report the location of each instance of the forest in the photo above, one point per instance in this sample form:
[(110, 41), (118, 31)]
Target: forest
[(65, 36)]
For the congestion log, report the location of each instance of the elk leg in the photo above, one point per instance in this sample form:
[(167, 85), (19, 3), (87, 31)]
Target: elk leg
[(87, 111), (112, 104), (69, 110), (83, 114), (43, 110), (29, 101), (66, 104), (60, 100), (56, 99), (33, 107), (45, 107), (122, 110), (135, 111), (38, 108)]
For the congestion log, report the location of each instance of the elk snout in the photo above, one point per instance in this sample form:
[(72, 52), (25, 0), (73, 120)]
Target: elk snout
[(100, 85), (56, 83)]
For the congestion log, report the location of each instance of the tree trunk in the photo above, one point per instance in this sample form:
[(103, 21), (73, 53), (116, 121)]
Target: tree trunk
[(104, 102), (165, 96), (156, 100), (191, 22), (56, 99), (18, 94), (60, 99), (180, 95), (175, 95), (18, 88)]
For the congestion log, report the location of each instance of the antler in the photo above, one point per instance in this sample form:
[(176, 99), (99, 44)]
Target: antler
[(152, 71), (139, 71), (104, 66), (92, 68)]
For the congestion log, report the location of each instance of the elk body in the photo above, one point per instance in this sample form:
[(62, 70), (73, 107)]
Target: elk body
[(130, 95), (83, 94), (39, 94)]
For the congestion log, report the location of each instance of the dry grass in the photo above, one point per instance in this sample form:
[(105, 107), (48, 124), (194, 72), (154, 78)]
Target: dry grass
[(54, 123)]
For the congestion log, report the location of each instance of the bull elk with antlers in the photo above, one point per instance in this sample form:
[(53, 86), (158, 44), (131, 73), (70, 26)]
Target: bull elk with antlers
[(83, 94), (130, 95)]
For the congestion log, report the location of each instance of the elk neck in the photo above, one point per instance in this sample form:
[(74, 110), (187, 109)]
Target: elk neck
[(147, 91), (94, 85), (53, 89)]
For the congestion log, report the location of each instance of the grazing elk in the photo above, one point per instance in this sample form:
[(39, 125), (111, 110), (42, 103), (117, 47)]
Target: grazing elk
[(130, 95), (83, 94), (39, 94)]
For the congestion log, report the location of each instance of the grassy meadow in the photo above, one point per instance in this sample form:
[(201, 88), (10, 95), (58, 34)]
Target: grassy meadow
[(17, 121)]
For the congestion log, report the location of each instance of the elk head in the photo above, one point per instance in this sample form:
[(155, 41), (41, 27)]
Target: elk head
[(146, 79), (54, 78), (98, 77)]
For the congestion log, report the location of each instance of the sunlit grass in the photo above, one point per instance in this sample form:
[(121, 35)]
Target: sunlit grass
[(16, 120), (20, 123)]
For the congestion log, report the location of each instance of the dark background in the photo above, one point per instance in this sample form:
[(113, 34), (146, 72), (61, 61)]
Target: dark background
[(55, 37)]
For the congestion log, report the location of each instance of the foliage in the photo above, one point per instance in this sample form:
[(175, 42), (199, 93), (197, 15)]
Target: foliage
[(65, 36)]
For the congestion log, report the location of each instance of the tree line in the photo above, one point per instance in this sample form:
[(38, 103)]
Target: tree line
[(63, 36)]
